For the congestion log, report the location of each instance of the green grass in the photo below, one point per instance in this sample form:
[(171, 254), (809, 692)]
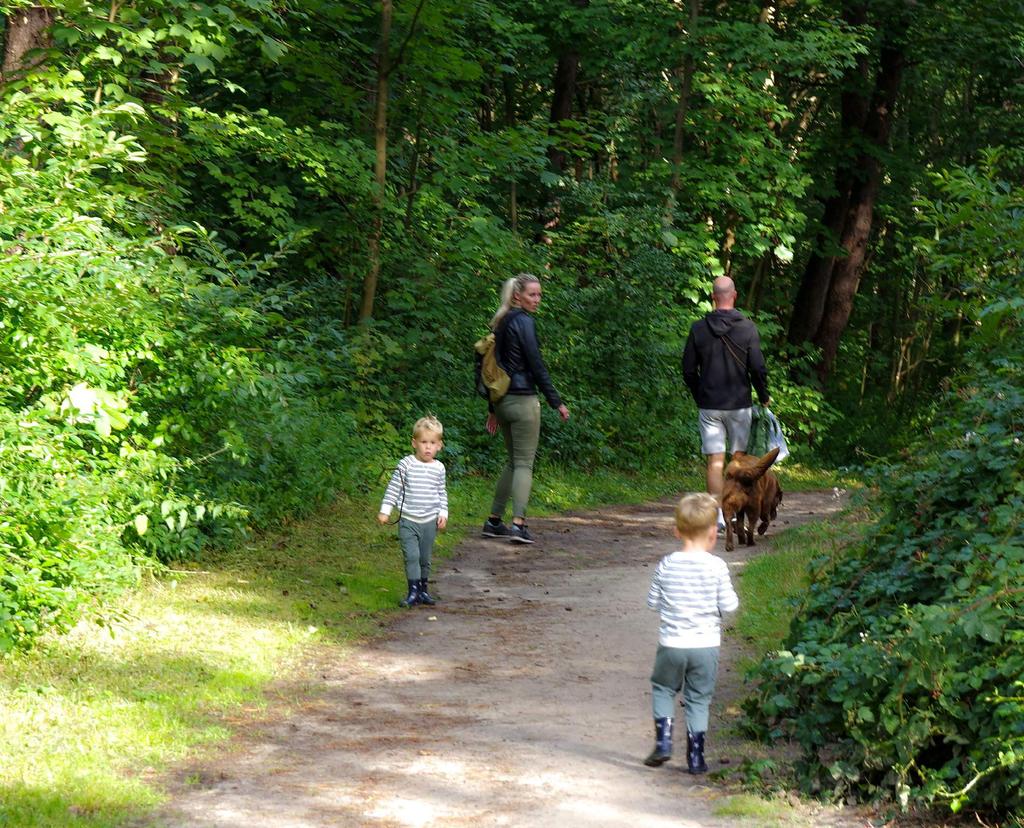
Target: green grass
[(762, 813), (770, 586), (562, 490), (797, 477), (93, 718)]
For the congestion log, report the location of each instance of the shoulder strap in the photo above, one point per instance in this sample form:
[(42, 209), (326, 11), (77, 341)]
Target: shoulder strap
[(730, 346)]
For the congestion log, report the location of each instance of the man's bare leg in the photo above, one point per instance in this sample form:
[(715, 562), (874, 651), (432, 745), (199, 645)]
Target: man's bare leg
[(716, 480), (716, 474)]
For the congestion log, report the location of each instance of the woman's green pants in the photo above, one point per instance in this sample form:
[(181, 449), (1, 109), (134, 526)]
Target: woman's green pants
[(519, 419)]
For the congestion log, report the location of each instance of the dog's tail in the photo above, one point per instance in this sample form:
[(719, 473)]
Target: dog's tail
[(748, 473)]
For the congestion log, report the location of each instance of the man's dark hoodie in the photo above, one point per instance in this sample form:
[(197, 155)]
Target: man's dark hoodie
[(722, 359)]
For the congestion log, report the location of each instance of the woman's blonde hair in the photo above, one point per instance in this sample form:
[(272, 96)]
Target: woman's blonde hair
[(695, 514), (517, 284)]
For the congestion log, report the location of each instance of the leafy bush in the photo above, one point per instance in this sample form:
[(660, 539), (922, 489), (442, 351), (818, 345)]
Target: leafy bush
[(807, 418), (903, 674), (160, 391)]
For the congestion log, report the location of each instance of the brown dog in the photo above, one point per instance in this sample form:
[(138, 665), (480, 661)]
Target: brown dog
[(751, 491)]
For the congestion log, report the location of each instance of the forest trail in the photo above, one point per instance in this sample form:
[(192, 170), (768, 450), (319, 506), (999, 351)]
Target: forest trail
[(521, 699)]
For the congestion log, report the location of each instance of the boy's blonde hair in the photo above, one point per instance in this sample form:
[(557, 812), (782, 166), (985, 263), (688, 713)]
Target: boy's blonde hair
[(429, 423), (695, 514)]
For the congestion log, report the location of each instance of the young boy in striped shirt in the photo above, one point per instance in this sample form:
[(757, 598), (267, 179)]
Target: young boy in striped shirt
[(417, 488), (690, 589)]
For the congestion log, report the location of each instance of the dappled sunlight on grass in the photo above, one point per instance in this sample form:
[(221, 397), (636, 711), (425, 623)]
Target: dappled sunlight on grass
[(765, 813), (96, 801), (797, 477), (85, 713), (89, 716)]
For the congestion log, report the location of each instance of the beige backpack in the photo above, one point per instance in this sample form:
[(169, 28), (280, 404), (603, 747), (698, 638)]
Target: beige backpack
[(491, 379)]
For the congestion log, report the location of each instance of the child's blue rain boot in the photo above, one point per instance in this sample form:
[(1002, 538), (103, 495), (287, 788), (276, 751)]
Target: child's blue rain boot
[(424, 596), (662, 743), (695, 753), (413, 598)]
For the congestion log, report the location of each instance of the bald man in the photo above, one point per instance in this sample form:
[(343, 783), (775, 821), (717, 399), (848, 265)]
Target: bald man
[(721, 361)]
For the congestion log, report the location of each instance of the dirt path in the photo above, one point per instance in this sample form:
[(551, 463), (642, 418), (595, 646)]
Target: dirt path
[(521, 700)]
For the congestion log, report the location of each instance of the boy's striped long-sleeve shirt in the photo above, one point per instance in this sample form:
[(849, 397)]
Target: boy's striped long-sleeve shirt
[(691, 590), (418, 490)]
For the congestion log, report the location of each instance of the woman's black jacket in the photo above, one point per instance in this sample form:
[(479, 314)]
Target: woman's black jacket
[(518, 352)]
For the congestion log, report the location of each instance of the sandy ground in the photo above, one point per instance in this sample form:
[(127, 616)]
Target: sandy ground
[(521, 699)]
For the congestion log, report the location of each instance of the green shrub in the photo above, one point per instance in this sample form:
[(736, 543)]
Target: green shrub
[(160, 391), (904, 674)]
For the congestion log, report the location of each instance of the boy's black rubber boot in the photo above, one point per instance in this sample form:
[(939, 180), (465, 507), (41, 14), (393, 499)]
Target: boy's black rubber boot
[(413, 598), (424, 597), (494, 530), (662, 743), (518, 533), (695, 753)]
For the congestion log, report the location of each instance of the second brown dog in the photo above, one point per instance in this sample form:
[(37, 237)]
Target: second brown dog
[(751, 492)]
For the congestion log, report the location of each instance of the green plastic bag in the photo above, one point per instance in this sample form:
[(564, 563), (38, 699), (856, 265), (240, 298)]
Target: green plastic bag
[(766, 434)]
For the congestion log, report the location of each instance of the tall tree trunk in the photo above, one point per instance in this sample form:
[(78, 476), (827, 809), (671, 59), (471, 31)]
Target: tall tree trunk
[(563, 94), (159, 83), (385, 66), (863, 195), (809, 304), (380, 167), (27, 29), (684, 74), (561, 102), (564, 91), (485, 115), (752, 298)]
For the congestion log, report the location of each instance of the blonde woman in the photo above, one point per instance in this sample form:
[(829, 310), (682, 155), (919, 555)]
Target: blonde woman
[(517, 414)]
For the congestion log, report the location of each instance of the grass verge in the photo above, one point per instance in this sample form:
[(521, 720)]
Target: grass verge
[(93, 718), (771, 586), (763, 813), (799, 477)]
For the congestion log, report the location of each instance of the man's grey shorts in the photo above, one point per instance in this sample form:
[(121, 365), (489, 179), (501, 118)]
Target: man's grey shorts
[(717, 427)]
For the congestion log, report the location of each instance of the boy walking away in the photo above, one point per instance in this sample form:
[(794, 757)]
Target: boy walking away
[(691, 589), (417, 489)]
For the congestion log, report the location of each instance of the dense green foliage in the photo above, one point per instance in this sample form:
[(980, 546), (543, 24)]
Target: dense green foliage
[(904, 672), (159, 389), (247, 244)]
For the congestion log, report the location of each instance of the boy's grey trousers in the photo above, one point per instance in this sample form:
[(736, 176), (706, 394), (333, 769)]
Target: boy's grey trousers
[(417, 542), (692, 670)]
